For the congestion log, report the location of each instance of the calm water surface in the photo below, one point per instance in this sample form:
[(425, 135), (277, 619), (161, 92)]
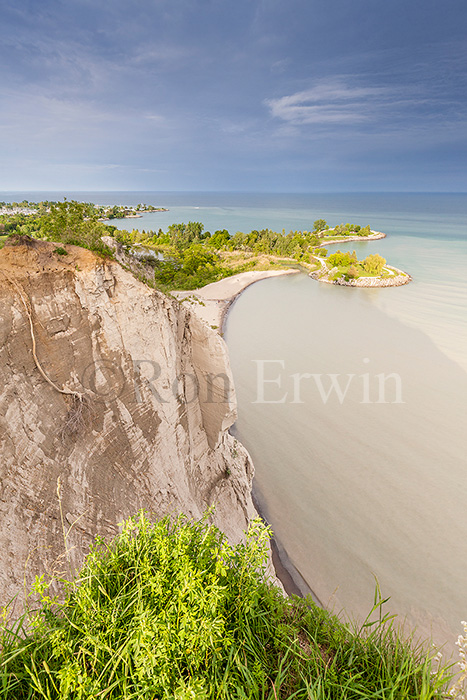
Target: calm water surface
[(358, 489)]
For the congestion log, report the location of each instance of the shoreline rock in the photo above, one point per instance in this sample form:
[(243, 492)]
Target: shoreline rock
[(374, 282)]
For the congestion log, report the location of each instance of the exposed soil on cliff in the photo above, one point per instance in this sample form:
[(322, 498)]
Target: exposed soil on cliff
[(152, 432)]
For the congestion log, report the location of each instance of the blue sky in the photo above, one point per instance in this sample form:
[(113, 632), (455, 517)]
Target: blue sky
[(243, 95)]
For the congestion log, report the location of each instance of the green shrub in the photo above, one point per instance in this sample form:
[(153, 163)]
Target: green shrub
[(342, 259), (352, 272), (374, 263), (172, 611), (75, 223)]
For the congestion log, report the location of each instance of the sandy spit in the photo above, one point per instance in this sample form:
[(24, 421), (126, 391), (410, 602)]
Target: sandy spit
[(210, 303)]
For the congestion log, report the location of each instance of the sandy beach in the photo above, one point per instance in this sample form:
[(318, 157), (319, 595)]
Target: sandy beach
[(210, 303)]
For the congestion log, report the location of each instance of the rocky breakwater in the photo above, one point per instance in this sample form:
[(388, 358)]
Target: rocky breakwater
[(114, 398), (372, 236), (397, 279)]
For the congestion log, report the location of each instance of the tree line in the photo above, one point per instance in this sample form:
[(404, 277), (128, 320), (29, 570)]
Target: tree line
[(192, 257)]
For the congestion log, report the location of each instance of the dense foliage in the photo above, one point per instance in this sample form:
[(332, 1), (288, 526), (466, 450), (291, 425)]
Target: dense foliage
[(172, 611), (349, 265), (74, 223), (189, 257), (293, 244), (188, 268), (374, 263), (71, 222)]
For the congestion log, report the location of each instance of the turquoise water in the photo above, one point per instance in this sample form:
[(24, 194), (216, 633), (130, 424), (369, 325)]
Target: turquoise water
[(361, 489), (436, 300)]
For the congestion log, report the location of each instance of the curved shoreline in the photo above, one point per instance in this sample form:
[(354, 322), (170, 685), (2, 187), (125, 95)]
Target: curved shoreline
[(374, 236), (398, 280), (212, 302)]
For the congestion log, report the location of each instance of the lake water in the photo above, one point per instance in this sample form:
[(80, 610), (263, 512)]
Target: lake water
[(375, 485)]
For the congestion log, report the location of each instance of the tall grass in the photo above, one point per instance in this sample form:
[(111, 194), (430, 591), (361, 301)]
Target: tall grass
[(172, 611)]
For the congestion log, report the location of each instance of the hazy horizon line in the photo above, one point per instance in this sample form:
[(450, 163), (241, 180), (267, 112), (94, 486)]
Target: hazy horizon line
[(266, 192)]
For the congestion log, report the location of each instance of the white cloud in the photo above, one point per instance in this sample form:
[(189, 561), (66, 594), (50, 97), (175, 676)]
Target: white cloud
[(331, 102)]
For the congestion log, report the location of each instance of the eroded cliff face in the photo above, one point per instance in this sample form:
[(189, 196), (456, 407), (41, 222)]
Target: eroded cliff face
[(151, 431)]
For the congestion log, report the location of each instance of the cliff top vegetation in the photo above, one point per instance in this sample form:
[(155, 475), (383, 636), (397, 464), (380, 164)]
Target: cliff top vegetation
[(172, 611)]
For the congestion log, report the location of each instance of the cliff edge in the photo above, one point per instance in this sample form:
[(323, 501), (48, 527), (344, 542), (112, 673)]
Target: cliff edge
[(123, 404)]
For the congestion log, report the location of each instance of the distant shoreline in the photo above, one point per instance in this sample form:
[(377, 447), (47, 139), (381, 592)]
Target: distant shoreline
[(134, 216), (211, 303)]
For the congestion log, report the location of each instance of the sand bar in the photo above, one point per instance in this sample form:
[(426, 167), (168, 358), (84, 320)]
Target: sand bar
[(210, 303)]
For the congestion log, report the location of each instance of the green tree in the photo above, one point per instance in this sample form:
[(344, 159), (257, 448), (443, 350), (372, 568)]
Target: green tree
[(313, 240), (76, 223), (297, 252), (374, 264), (320, 225), (219, 239), (182, 235), (339, 259), (196, 257), (238, 241)]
